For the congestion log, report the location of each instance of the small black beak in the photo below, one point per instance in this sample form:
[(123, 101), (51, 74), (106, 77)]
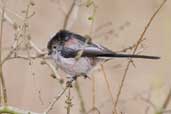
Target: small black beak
[(49, 52)]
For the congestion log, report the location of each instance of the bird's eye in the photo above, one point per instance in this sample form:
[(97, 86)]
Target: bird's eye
[(54, 47)]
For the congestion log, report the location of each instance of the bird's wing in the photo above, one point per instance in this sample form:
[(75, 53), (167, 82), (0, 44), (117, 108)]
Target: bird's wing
[(77, 44), (96, 52), (86, 52)]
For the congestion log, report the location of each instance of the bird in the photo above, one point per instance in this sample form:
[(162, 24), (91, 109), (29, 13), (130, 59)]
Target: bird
[(77, 56)]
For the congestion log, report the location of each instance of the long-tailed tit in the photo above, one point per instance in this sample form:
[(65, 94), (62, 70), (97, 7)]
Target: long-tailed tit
[(65, 46)]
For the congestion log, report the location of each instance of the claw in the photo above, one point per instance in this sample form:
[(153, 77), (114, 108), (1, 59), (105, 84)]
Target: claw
[(69, 84), (86, 76), (71, 79)]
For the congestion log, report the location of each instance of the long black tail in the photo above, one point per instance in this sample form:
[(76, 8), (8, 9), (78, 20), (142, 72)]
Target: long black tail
[(71, 53), (128, 56)]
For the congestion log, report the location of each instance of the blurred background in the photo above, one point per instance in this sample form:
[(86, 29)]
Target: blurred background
[(117, 24)]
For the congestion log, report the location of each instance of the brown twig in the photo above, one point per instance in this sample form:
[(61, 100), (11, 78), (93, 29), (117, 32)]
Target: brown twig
[(93, 91), (51, 105), (68, 102), (92, 18), (41, 53), (148, 101), (21, 34), (167, 100), (134, 51), (108, 85), (71, 15), (3, 86), (165, 104), (77, 87), (8, 19), (93, 109)]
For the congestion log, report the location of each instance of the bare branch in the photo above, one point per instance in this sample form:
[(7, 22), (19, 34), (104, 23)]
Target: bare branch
[(3, 86), (51, 105), (54, 70), (82, 105), (165, 104), (39, 51), (93, 109), (72, 14), (167, 100), (108, 85), (135, 49), (8, 19), (68, 101)]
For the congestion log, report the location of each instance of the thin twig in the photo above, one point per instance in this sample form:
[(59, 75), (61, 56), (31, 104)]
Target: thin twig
[(21, 34), (167, 100), (3, 86), (51, 105), (68, 102), (93, 91), (57, 76), (72, 14), (148, 101), (165, 104), (108, 85), (8, 19), (77, 87), (39, 51), (134, 51), (92, 18), (93, 109), (11, 12)]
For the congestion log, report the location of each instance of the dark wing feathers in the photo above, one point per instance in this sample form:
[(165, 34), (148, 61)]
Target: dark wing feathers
[(71, 53)]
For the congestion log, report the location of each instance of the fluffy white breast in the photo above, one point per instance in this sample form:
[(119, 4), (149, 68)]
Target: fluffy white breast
[(72, 66)]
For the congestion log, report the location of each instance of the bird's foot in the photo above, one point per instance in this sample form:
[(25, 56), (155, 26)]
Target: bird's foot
[(86, 76), (69, 84), (71, 79)]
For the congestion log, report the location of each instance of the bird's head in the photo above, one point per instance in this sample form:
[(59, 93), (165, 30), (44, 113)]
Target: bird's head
[(57, 41)]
